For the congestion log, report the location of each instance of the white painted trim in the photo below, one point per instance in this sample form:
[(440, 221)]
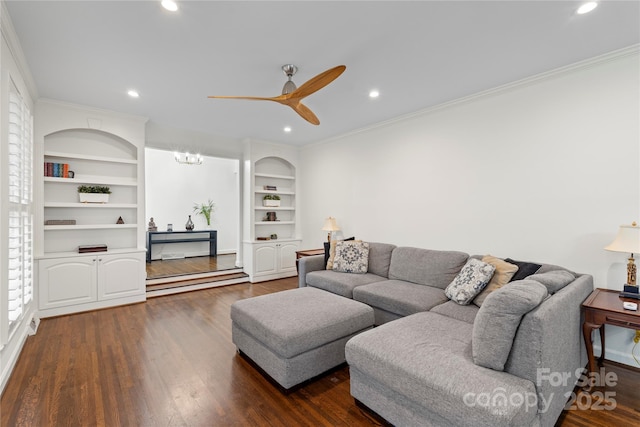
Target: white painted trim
[(189, 288), (20, 337), (9, 34), (81, 308), (527, 81), (616, 355), (94, 110), (187, 277)]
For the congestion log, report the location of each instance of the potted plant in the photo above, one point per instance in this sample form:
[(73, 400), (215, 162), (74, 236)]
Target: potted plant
[(94, 193), (204, 209), (271, 200)]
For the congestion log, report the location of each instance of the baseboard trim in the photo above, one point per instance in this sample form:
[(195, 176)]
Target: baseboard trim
[(25, 329)]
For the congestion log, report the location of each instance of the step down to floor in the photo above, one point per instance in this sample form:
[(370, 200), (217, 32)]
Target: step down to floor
[(194, 282)]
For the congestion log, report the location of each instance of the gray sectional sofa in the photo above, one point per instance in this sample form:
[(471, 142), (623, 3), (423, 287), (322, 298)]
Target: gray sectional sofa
[(431, 361)]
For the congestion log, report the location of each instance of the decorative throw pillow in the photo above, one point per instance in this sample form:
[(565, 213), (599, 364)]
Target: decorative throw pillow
[(330, 252), (504, 272), (497, 321), (525, 269), (471, 280), (351, 257)]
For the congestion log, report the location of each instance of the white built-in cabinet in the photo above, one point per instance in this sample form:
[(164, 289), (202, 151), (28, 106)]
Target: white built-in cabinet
[(88, 279), (274, 258), (101, 148)]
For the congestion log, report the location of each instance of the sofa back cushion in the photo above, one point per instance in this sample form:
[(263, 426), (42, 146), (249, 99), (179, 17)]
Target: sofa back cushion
[(498, 319), (380, 258), (426, 266)]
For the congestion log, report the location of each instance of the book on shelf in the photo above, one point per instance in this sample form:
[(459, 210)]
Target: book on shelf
[(56, 170), (60, 222), (92, 248)]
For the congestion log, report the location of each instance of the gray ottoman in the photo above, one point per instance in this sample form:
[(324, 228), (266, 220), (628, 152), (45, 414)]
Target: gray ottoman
[(297, 334)]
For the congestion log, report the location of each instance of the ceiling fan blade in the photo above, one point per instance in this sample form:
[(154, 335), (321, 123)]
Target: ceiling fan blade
[(252, 98), (305, 113), (317, 82)]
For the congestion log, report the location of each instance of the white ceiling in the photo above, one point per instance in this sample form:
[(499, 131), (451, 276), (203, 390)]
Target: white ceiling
[(418, 54)]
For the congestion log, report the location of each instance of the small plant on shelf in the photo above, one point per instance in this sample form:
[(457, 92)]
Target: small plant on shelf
[(94, 193), (100, 189), (271, 200), (204, 209)]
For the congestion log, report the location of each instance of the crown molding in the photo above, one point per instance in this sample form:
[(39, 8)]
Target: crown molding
[(94, 110), (13, 42), (527, 81)]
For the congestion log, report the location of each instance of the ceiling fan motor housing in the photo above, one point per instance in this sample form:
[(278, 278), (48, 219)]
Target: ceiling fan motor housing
[(289, 86)]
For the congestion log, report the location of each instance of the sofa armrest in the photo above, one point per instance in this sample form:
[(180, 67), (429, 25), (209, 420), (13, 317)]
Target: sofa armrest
[(308, 264), (548, 343)]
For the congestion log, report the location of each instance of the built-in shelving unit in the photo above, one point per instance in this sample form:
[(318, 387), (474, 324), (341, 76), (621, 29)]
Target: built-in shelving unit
[(275, 257), (279, 173), (100, 148)]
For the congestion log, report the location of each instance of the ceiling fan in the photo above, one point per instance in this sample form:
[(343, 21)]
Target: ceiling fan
[(292, 95)]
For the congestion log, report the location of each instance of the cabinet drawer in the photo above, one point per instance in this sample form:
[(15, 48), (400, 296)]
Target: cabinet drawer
[(623, 321)]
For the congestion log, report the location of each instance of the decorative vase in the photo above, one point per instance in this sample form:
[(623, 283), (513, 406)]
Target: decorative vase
[(189, 225)]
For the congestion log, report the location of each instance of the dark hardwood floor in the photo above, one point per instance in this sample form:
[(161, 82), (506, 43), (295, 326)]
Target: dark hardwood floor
[(170, 362)]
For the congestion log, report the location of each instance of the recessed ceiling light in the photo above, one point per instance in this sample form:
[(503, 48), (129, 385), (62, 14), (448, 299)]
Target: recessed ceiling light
[(133, 93), (170, 5), (374, 94), (287, 129), (587, 7)]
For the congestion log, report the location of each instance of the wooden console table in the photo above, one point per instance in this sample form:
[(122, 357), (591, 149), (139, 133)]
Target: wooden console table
[(184, 237), (604, 306)]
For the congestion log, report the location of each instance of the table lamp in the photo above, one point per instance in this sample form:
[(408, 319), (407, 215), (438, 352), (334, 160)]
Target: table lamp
[(628, 241), (330, 225)]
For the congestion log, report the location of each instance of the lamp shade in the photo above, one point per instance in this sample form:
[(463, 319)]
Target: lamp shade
[(627, 240), (330, 225)]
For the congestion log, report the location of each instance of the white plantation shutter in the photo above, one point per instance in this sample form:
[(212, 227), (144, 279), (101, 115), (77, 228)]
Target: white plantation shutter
[(20, 159)]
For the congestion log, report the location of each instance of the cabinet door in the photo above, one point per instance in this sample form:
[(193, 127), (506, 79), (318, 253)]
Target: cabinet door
[(67, 281), (121, 275), (265, 260), (287, 256)]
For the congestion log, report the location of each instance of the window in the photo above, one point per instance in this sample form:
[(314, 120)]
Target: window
[(20, 215)]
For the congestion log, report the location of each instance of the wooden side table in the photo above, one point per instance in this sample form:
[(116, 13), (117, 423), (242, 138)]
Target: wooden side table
[(604, 306), (307, 252)]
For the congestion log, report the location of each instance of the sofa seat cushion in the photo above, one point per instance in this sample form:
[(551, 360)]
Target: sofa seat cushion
[(435, 368), (338, 283), (466, 313), (426, 266), (399, 297)]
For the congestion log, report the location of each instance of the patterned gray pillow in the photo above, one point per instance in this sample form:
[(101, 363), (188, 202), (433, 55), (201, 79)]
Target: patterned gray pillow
[(351, 257), (471, 280)]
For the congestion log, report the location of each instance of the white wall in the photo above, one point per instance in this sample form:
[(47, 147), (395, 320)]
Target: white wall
[(172, 189), (543, 171)]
